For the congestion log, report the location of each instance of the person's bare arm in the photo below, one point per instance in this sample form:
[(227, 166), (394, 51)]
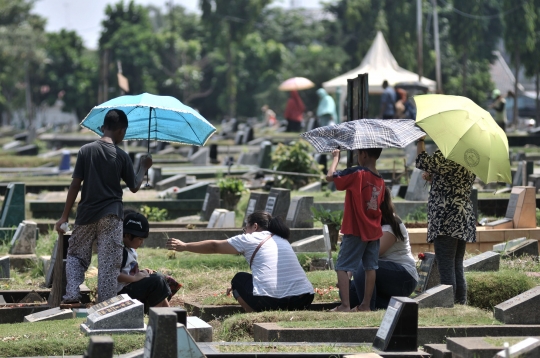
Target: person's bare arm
[(333, 166), (202, 247), (73, 191), (129, 279), (387, 240), (146, 163)]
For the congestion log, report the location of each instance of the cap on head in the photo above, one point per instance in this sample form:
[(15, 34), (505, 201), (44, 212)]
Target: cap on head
[(136, 224)]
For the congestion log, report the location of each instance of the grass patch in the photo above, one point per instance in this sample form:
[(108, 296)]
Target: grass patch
[(293, 348), (239, 327), (499, 342), (487, 289), (55, 338), (8, 160)]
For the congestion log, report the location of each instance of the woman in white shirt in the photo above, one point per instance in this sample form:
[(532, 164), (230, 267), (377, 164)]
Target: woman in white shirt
[(277, 280), (396, 275)]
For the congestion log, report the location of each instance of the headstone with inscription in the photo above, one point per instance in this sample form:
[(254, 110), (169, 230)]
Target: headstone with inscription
[(522, 309), (24, 240), (211, 201), (299, 214), (398, 331), (120, 314), (278, 202), (257, 202), (418, 189), (4, 267), (428, 273), (50, 315), (486, 261), (13, 206), (438, 296)]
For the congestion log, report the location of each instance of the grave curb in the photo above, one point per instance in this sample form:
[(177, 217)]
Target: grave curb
[(272, 332)]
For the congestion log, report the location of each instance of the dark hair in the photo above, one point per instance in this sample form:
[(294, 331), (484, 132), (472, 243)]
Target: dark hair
[(385, 84), (389, 216), (266, 222), (372, 152), (115, 119)]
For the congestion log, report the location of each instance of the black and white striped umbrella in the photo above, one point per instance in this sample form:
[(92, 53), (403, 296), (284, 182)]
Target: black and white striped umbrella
[(364, 133)]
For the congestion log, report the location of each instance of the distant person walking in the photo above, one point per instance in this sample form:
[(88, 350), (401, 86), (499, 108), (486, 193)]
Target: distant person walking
[(451, 221), (99, 168), (388, 102), (326, 111), (499, 105), (294, 112)]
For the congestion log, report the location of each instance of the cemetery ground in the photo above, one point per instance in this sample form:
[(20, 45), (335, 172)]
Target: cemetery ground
[(205, 279)]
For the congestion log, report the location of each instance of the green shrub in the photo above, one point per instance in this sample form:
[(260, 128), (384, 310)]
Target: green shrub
[(294, 158), (418, 215), (154, 214), (488, 289)]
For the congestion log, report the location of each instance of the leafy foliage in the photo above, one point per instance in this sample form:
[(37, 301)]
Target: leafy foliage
[(294, 158), (231, 185), (154, 213), (327, 217)]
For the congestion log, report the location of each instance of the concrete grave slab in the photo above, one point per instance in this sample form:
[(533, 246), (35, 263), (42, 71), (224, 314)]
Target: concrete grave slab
[(120, 314), (522, 309), (471, 347), (528, 348), (249, 158), (299, 214), (487, 261), (417, 190), (22, 262), (199, 329), (100, 347), (194, 191), (505, 246), (50, 315), (278, 202), (313, 243), (178, 180), (527, 247), (200, 157), (4, 267), (438, 296), (2, 300), (265, 155), (437, 350), (24, 240), (257, 201), (13, 206), (313, 187), (428, 273), (161, 334), (212, 200)]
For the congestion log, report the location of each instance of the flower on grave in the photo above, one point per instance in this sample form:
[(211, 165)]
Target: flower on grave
[(421, 256)]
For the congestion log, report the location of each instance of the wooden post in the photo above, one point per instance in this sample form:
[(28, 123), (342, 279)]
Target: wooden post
[(357, 105), (55, 297)]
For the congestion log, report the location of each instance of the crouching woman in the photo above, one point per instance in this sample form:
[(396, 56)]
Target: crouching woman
[(277, 281)]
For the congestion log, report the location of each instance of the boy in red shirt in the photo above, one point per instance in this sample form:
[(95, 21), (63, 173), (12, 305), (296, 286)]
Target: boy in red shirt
[(361, 226)]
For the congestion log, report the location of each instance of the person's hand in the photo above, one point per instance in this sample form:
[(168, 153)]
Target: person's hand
[(150, 271), (336, 153), (176, 245), (58, 225), (140, 275), (146, 161), (229, 290)]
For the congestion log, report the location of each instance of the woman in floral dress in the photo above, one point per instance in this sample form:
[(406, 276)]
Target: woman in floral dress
[(451, 220)]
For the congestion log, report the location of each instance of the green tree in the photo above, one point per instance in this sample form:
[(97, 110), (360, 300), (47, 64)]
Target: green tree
[(228, 23), (531, 60)]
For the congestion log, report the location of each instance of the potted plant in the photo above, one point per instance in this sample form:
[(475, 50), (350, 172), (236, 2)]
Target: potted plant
[(330, 218), (230, 190)]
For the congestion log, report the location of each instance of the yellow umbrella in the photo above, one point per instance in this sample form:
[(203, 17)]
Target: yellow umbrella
[(466, 134)]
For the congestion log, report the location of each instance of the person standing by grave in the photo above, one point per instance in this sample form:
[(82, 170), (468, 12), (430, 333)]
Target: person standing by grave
[(277, 281), (148, 286), (99, 168), (361, 225), (397, 274), (294, 112), (326, 110), (388, 102), (451, 220), (499, 105)]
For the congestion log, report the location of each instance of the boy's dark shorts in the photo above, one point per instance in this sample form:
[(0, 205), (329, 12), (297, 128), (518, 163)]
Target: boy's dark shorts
[(150, 290)]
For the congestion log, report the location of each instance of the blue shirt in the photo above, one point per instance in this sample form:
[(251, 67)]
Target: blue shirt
[(388, 101)]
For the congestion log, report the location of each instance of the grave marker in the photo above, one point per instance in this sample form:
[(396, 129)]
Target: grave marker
[(524, 169), (487, 261), (399, 328), (161, 335), (24, 240), (257, 202), (428, 273), (194, 191), (527, 247), (278, 202), (313, 243), (521, 210), (200, 157), (50, 315), (418, 189), (522, 309), (504, 246), (299, 214), (265, 155), (438, 296), (239, 138), (119, 314), (527, 348), (178, 180), (313, 187), (13, 209), (221, 218), (211, 201), (4, 267), (250, 158), (328, 246), (199, 329), (100, 347)]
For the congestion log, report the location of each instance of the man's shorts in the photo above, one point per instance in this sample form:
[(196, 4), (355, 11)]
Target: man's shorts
[(353, 250)]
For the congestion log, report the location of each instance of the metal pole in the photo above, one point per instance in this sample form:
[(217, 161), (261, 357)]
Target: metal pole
[(419, 39), (437, 47)]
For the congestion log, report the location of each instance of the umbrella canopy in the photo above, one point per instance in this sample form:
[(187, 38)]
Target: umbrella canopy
[(152, 117), (364, 133), (466, 134), (296, 84)]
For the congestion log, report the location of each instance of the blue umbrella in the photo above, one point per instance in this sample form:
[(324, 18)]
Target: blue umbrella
[(161, 118)]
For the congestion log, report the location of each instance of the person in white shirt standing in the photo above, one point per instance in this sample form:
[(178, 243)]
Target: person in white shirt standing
[(277, 281)]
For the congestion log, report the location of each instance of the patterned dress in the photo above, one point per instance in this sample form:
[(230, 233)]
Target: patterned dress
[(450, 210)]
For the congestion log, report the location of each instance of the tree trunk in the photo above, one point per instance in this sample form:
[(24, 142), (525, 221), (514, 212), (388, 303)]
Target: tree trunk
[(537, 97), (464, 76), (231, 80), (515, 113)]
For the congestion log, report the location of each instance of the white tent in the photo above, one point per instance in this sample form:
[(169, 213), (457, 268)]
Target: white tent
[(380, 65)]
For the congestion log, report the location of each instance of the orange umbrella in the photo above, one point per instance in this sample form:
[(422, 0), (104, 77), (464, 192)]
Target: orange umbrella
[(296, 84)]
